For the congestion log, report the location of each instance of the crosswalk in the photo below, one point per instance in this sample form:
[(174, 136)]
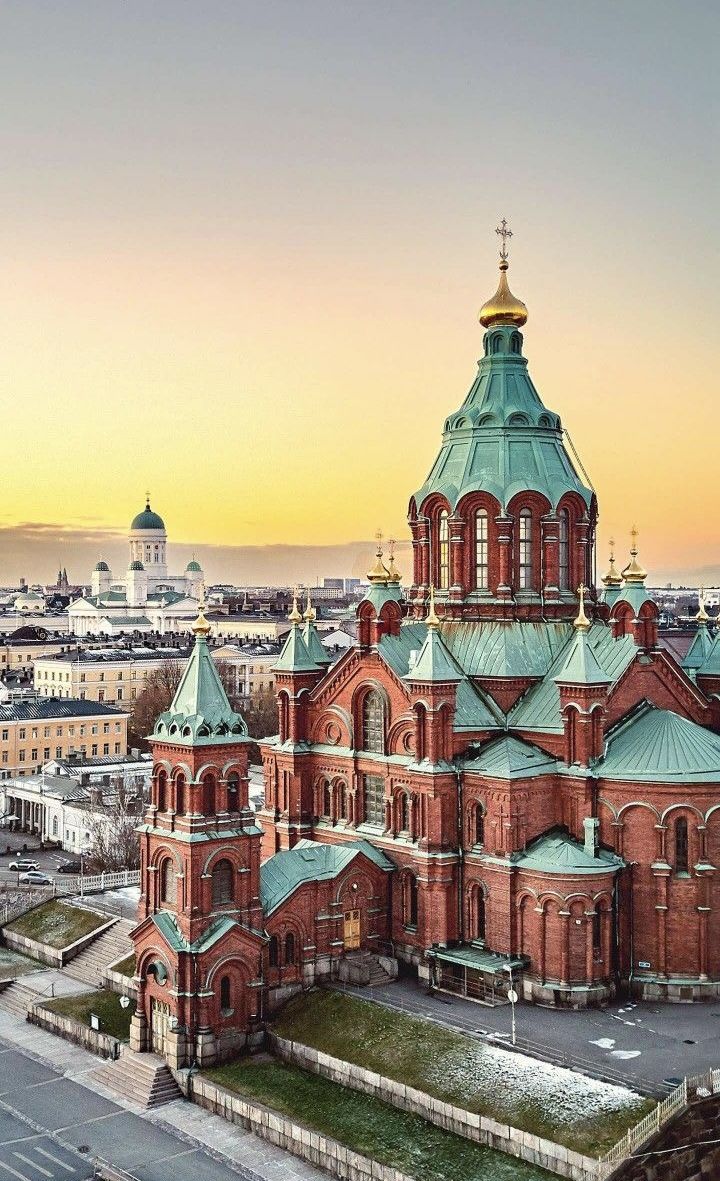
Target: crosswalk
[(41, 1159)]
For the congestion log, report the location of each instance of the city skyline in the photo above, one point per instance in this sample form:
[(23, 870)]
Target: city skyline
[(243, 266)]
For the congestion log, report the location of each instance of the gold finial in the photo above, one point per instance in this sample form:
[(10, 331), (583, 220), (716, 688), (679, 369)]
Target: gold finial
[(634, 572), (504, 307), (613, 576), (309, 615), (582, 623), (702, 616), (432, 620), (379, 572), (201, 628), (295, 617), (394, 574)]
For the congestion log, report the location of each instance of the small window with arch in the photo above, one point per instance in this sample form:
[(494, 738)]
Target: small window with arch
[(682, 851), (226, 996)]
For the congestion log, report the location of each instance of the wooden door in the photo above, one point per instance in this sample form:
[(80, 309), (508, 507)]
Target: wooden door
[(351, 930), (159, 1024)]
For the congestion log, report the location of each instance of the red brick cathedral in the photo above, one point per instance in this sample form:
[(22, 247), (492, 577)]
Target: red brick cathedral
[(508, 774)]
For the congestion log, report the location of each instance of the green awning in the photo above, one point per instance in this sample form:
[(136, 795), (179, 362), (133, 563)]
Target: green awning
[(479, 960)]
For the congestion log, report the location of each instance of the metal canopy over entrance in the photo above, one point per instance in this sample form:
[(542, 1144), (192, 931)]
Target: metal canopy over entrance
[(472, 972)]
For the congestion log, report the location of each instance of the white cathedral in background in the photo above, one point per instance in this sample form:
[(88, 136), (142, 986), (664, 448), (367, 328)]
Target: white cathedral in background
[(145, 598)]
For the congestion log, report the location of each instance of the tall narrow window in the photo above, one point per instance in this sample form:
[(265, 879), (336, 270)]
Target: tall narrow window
[(525, 558), (597, 934), (233, 791), (225, 997), (327, 799), (410, 900), (479, 915), (168, 882), (289, 948), (404, 802), (443, 551), (479, 825), (681, 845), (274, 952), (564, 550), (222, 883), (373, 738), (374, 794), (162, 791), (481, 549)]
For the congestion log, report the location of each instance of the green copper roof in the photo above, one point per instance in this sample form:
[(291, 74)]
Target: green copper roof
[(510, 758), (557, 852), (658, 745), (200, 714), (136, 565), (700, 649), (166, 924), (295, 657), (194, 567), (479, 960), (147, 519), (502, 439), (634, 593), (512, 649), (581, 666), (434, 662), (102, 567), (539, 709), (711, 666), (310, 861), (316, 649), (379, 595)]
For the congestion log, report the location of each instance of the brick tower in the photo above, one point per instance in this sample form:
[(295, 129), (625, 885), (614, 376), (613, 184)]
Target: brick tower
[(198, 942)]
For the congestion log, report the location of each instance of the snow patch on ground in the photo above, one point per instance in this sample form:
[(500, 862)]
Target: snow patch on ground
[(605, 1043), (625, 1054), (564, 1096)]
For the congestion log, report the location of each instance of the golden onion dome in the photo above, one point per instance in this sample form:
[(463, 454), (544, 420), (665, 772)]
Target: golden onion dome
[(379, 573), (634, 572), (503, 308), (613, 576)]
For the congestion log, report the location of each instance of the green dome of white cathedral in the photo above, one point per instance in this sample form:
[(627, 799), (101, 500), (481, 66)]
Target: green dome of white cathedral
[(147, 519)]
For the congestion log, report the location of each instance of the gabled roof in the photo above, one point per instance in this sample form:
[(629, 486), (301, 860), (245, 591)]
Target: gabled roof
[(558, 852), (510, 758), (295, 657), (200, 714), (699, 650), (316, 650), (658, 745), (166, 924), (634, 593), (434, 663), (539, 709), (581, 666), (310, 861)]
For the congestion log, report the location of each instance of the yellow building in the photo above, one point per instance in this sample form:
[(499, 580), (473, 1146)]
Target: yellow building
[(18, 655), (113, 676), (34, 731)]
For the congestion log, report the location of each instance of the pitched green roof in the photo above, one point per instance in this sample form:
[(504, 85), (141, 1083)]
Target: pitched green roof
[(200, 714), (581, 666), (295, 657), (634, 593), (557, 852), (539, 709), (310, 861), (510, 758), (166, 924), (711, 665), (498, 649), (700, 649), (658, 745), (435, 662), (317, 651), (378, 594), (502, 439)]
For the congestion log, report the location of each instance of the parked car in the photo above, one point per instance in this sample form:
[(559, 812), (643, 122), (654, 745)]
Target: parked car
[(70, 867), (23, 865), (35, 877)]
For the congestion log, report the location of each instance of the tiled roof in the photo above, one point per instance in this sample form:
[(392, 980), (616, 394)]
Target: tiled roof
[(310, 861), (56, 707), (658, 745)]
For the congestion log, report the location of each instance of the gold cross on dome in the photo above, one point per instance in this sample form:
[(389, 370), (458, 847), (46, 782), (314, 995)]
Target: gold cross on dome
[(505, 232), (581, 596), (379, 538)]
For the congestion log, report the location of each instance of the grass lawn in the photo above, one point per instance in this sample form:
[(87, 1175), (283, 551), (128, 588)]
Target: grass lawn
[(366, 1125), (113, 1018), (125, 967), (56, 923), (582, 1113), (13, 964)]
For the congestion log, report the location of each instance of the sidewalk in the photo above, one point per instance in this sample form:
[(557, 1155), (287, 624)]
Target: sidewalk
[(226, 1143)]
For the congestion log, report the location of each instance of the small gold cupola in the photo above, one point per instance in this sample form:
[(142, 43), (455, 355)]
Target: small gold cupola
[(379, 573), (634, 572), (504, 307), (613, 576), (702, 615), (394, 575), (295, 617)]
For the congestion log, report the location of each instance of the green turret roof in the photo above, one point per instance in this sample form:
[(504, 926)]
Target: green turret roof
[(511, 758), (657, 745), (502, 439), (200, 714), (557, 852), (711, 666), (435, 663), (700, 649), (316, 649), (310, 861), (295, 657), (194, 567), (581, 666)]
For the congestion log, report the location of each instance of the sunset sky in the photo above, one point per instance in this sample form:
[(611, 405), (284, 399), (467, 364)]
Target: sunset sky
[(244, 245)]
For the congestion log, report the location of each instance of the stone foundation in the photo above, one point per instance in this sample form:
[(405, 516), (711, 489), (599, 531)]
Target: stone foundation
[(681, 992)]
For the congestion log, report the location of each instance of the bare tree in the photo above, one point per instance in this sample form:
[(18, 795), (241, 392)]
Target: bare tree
[(114, 841), (155, 698)]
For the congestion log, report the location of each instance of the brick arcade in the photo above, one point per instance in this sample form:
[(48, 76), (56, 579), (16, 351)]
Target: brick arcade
[(497, 778)]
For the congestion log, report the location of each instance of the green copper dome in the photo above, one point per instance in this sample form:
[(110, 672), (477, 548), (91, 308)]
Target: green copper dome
[(103, 566), (147, 519), (136, 566), (193, 567)]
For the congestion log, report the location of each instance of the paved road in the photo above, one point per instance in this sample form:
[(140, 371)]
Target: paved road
[(642, 1043), (52, 1127)]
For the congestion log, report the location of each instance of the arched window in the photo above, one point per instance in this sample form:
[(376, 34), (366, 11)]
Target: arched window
[(222, 883), (233, 791), (373, 737), (515, 343), (404, 812), (564, 549), (326, 799), (443, 551), (341, 801), (597, 934), (209, 795), (481, 549), (168, 882), (479, 915), (374, 798), (162, 791), (225, 996), (497, 344), (289, 948), (479, 833), (410, 900), (274, 952), (180, 794), (525, 556), (682, 864)]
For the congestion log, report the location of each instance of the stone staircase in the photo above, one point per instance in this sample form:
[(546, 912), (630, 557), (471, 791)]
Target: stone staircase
[(144, 1079), (16, 999), (92, 963), (364, 969)]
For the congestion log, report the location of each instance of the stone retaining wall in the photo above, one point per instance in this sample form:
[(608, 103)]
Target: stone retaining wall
[(57, 957), (503, 1137), (319, 1150), (93, 1040)]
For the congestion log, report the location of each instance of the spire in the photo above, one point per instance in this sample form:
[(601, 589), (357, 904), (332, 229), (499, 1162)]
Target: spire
[(435, 662), (395, 577), (201, 627), (295, 617), (379, 573), (581, 623), (309, 615), (295, 657), (702, 616), (634, 572), (504, 307), (432, 620), (581, 666), (613, 576)]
